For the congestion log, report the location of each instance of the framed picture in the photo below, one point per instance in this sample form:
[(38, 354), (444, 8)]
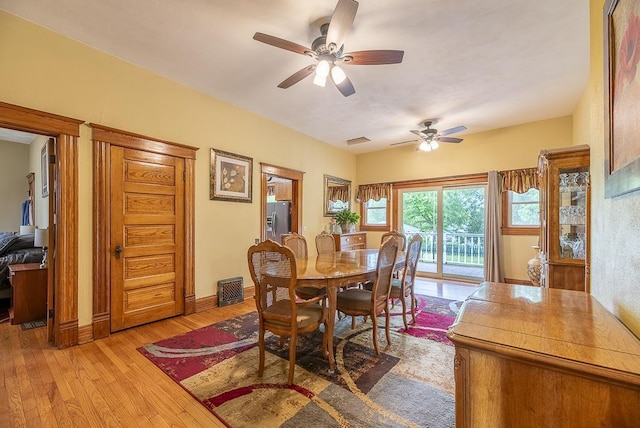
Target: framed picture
[(230, 177), (622, 96), (44, 170)]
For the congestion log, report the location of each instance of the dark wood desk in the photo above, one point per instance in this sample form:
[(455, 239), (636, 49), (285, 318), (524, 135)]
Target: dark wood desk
[(337, 270), (539, 357)]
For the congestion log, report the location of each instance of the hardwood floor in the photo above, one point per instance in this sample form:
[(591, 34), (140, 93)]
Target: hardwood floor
[(107, 382)]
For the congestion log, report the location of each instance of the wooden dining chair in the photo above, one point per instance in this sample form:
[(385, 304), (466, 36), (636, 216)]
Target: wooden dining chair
[(325, 243), (401, 237), (358, 301), (274, 273), (298, 245), (404, 286)]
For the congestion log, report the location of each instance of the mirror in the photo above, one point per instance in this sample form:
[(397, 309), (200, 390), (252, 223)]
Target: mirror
[(337, 195)]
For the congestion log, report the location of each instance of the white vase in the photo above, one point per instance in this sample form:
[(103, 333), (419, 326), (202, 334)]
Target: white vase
[(534, 267)]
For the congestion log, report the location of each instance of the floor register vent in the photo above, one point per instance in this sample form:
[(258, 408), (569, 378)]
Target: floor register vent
[(230, 291)]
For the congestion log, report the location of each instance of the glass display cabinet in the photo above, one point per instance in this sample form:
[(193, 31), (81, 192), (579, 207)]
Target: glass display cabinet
[(564, 217)]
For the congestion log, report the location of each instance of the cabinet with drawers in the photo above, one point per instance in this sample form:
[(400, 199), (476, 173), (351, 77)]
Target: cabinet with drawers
[(350, 241)]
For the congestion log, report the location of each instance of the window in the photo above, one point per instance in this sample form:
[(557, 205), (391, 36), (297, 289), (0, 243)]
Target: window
[(375, 215), (521, 213)]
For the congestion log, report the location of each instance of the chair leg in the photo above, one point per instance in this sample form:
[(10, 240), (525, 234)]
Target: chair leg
[(325, 342), (261, 348), (281, 341), (386, 327), (292, 357), (404, 310), (374, 320), (353, 322), (414, 303)]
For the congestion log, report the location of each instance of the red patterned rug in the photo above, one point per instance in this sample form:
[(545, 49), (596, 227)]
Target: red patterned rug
[(409, 384)]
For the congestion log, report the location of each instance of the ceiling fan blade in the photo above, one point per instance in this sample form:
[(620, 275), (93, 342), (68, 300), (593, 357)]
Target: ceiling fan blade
[(404, 142), (345, 87), (283, 44), (449, 140), (375, 57), (418, 133), (453, 130), (341, 23), (296, 77)]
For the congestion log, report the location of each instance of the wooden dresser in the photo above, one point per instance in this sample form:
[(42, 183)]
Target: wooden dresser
[(538, 357), (350, 241)]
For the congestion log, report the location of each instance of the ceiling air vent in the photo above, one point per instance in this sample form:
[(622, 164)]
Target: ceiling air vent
[(358, 140)]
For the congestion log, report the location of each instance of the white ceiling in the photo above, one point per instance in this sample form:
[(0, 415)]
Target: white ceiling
[(483, 64), (16, 136)]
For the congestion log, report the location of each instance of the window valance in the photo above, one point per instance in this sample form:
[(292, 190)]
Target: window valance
[(375, 191), (520, 180)]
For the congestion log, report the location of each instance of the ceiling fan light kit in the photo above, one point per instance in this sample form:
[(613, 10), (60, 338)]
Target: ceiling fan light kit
[(328, 48), (430, 138)]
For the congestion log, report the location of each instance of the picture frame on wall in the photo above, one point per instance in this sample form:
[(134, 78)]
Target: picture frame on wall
[(44, 170), (230, 177), (622, 96)]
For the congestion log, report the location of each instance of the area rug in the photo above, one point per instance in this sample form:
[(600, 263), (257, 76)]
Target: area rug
[(409, 384)]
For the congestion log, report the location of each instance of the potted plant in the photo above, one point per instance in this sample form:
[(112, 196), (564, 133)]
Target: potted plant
[(347, 220)]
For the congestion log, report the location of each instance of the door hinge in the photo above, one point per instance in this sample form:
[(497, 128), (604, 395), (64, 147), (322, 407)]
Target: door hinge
[(52, 159), (51, 313), (184, 175)]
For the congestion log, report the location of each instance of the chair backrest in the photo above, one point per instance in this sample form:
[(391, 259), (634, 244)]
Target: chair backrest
[(401, 237), (297, 243), (411, 260), (274, 273), (387, 255), (325, 243)]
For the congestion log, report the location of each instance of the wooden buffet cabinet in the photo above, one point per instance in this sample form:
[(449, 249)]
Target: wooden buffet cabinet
[(564, 218), (539, 357), (350, 241)]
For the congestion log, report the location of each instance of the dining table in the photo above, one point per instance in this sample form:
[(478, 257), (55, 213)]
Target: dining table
[(335, 271)]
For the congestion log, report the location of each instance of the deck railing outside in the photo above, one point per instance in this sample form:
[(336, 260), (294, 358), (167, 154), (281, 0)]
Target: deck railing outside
[(465, 249)]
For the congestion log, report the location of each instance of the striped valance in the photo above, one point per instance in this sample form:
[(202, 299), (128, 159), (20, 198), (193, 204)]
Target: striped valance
[(338, 193), (373, 191), (520, 180)]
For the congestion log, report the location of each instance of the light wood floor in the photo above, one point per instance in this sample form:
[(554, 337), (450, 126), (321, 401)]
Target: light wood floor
[(108, 382)]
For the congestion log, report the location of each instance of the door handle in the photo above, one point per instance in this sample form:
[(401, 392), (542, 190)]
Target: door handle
[(118, 251)]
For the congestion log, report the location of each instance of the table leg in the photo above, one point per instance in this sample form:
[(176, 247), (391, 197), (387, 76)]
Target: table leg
[(331, 321)]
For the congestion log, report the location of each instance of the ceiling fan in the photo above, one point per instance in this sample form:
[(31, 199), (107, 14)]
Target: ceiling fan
[(328, 48), (430, 138)]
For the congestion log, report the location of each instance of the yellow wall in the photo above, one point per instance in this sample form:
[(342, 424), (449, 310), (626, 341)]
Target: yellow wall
[(500, 149), (14, 167), (45, 71), (615, 224)]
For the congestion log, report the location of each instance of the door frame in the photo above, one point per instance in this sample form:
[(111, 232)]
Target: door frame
[(63, 241), (103, 138), (296, 195)]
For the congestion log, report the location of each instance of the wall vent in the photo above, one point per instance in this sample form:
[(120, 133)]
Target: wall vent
[(230, 291)]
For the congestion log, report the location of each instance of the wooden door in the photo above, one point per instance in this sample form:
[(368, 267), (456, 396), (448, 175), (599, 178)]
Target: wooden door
[(147, 237)]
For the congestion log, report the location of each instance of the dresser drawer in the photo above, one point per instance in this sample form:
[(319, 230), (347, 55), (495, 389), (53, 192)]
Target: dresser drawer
[(350, 241)]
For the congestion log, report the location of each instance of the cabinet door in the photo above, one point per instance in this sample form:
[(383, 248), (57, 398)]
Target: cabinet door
[(572, 207)]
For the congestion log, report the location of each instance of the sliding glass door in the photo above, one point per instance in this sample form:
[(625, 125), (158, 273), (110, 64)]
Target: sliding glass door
[(451, 222)]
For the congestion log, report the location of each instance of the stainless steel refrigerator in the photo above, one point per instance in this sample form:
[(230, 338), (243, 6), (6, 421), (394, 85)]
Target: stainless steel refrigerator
[(278, 220)]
